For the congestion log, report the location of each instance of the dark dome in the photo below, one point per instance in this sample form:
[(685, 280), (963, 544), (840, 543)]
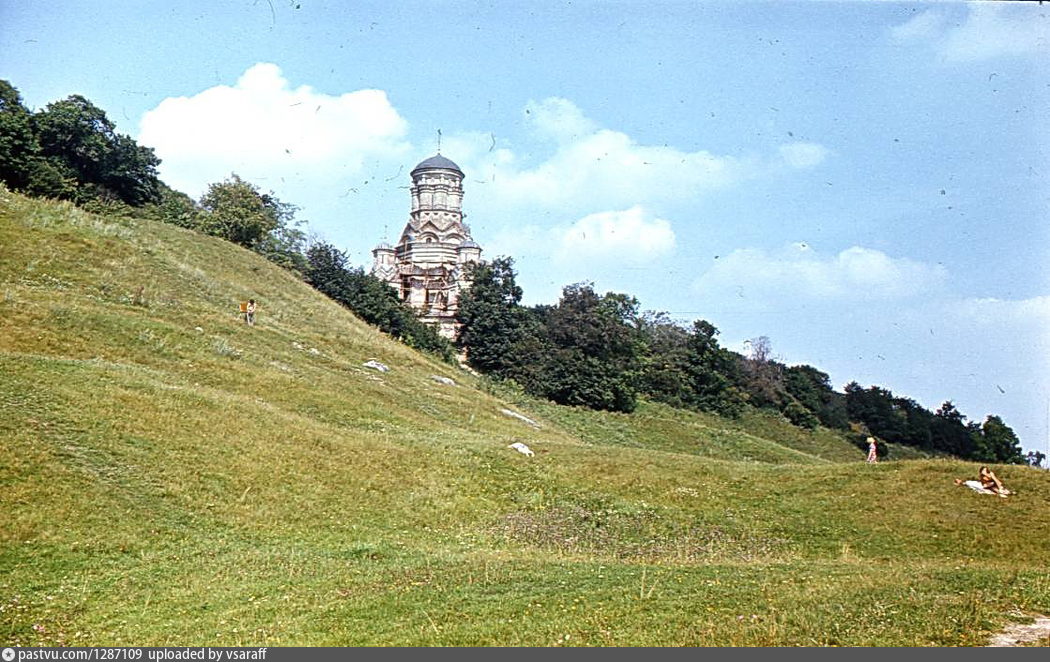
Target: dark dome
[(469, 244), (435, 162)]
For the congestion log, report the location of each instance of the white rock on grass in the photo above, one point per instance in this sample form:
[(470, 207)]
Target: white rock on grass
[(376, 365), (443, 380), (524, 419), (522, 448)]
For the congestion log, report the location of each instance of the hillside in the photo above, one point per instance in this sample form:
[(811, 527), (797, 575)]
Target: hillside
[(170, 476)]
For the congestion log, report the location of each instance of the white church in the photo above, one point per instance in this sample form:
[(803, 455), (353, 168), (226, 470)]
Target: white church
[(427, 267)]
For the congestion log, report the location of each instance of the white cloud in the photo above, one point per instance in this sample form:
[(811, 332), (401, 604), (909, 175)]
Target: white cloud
[(927, 24), (263, 128), (754, 279), (632, 236), (594, 167), (803, 154), (559, 119), (990, 30), (989, 310)]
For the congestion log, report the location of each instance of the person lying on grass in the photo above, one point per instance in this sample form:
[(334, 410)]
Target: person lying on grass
[(987, 483)]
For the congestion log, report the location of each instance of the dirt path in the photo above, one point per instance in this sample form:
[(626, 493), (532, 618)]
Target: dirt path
[(1017, 634)]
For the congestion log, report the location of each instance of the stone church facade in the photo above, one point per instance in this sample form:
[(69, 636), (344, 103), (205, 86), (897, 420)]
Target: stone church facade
[(427, 266)]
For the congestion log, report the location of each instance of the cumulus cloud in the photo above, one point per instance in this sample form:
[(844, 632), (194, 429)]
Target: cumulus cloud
[(990, 30), (568, 164), (593, 166), (261, 127), (797, 274), (632, 236), (559, 119)]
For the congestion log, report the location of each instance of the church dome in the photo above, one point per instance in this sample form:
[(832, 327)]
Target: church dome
[(436, 162), (468, 244)]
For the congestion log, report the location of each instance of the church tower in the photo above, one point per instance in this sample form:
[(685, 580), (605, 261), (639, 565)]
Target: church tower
[(427, 265)]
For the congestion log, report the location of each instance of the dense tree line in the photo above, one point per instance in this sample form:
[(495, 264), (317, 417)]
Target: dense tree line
[(904, 421), (601, 352), (71, 151)]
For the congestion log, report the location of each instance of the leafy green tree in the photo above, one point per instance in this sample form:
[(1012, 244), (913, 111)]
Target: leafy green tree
[(22, 166), (949, 433), (665, 360), (762, 377), (285, 245), (799, 415), (887, 417), (175, 207), (493, 323), (712, 372), (996, 442), (237, 211), (19, 149), (80, 143), (812, 389), (594, 359)]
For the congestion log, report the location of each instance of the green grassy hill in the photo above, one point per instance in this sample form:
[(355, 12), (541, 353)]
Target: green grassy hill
[(169, 476)]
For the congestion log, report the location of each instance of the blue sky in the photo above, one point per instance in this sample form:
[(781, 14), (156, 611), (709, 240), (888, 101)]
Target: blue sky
[(863, 183)]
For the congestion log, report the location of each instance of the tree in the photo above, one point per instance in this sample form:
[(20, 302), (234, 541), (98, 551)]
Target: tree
[(949, 433), (878, 410), (237, 211), (812, 389), (996, 442), (175, 207), (595, 351), (493, 323), (712, 371), (19, 148), (22, 166), (80, 143), (285, 245), (664, 375), (761, 376)]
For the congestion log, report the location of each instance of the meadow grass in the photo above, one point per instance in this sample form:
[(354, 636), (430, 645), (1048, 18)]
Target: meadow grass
[(170, 476)]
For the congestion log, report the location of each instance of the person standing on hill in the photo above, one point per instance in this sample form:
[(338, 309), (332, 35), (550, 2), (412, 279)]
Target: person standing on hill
[(249, 313), (873, 451)]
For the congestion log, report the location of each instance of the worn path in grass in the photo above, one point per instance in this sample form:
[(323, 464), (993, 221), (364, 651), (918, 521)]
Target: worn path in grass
[(1021, 634)]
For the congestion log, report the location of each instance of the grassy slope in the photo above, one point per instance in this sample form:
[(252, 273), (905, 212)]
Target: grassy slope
[(169, 476)]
